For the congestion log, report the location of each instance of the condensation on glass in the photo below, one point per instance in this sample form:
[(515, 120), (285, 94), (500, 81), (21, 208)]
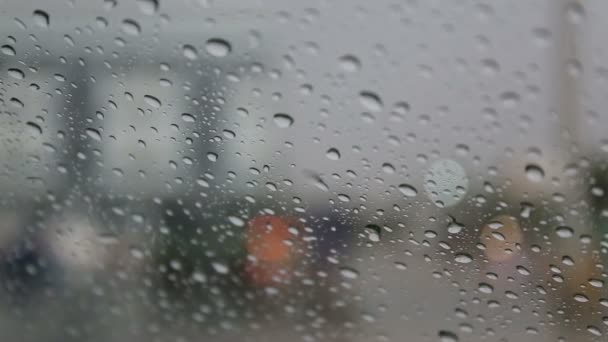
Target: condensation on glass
[(326, 170)]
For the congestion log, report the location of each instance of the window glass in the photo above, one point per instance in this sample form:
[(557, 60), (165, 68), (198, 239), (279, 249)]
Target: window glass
[(326, 170)]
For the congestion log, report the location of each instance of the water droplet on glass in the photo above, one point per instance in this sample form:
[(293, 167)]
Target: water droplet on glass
[(152, 101), (212, 156), (148, 7), (187, 117), (447, 336), (131, 27), (220, 268), (190, 52), (16, 73), (282, 120), (373, 232), (218, 47), (237, 221), (564, 232), (41, 18), (349, 63), (408, 190), (332, 154), (463, 258), (33, 128), (8, 50), (485, 288), (370, 101), (534, 173), (349, 273), (94, 134)]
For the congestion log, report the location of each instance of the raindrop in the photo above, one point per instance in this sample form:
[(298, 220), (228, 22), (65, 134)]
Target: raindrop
[(282, 120), (16, 73), (41, 18), (447, 336), (349, 273), (93, 133), (486, 288), (190, 52), (220, 267), (534, 173), (131, 27), (564, 232), (349, 63), (187, 117), (371, 101), (8, 50), (218, 47), (33, 128), (212, 156), (152, 101), (332, 154), (463, 258), (237, 221), (408, 190), (15, 102), (373, 232), (148, 7)]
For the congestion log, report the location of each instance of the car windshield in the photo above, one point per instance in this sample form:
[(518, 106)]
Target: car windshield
[(281, 170)]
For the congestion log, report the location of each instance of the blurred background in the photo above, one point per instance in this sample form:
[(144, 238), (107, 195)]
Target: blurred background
[(326, 170)]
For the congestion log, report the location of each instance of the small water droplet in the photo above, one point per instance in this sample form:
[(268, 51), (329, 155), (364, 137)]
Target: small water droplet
[(212, 156)]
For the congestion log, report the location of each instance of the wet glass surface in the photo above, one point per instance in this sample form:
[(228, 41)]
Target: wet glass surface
[(330, 170)]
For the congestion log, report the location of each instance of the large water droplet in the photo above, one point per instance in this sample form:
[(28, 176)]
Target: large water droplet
[(370, 101), (218, 47), (41, 18), (283, 120), (190, 52), (349, 273), (463, 258), (152, 101), (564, 232), (148, 7), (349, 63), (534, 173), (130, 27), (408, 190), (16, 73), (333, 154), (94, 134)]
